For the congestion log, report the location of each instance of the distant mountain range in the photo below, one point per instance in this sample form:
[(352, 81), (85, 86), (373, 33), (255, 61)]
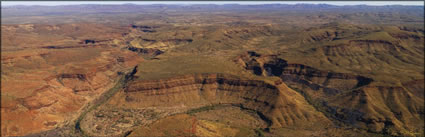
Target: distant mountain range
[(20, 10)]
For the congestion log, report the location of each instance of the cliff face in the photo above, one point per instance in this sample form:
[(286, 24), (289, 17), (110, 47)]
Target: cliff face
[(45, 87), (393, 110), (146, 51), (349, 98), (312, 78), (327, 35), (279, 105), (330, 82)]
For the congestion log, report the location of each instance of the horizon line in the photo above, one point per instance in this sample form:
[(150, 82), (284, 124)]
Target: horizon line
[(334, 3)]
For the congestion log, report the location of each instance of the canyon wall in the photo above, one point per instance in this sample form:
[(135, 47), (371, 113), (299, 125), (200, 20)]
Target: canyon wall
[(279, 105)]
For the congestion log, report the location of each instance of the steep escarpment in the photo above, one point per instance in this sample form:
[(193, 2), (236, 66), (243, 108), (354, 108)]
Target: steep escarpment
[(388, 54), (280, 105), (146, 51), (392, 110), (57, 100), (351, 99), (50, 76), (322, 35), (136, 40), (325, 81)]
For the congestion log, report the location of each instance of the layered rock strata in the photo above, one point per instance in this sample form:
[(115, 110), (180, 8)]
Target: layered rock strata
[(279, 105)]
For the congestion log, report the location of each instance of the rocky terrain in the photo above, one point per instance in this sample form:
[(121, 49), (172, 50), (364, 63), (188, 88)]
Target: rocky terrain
[(46, 86), (349, 98), (212, 70)]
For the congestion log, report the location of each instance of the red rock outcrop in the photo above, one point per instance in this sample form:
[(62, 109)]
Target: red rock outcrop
[(349, 98), (280, 105), (329, 82), (44, 98)]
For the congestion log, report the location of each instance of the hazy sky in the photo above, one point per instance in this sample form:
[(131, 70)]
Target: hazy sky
[(53, 3)]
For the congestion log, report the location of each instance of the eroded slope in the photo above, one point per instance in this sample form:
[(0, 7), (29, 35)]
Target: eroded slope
[(354, 100), (49, 72)]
